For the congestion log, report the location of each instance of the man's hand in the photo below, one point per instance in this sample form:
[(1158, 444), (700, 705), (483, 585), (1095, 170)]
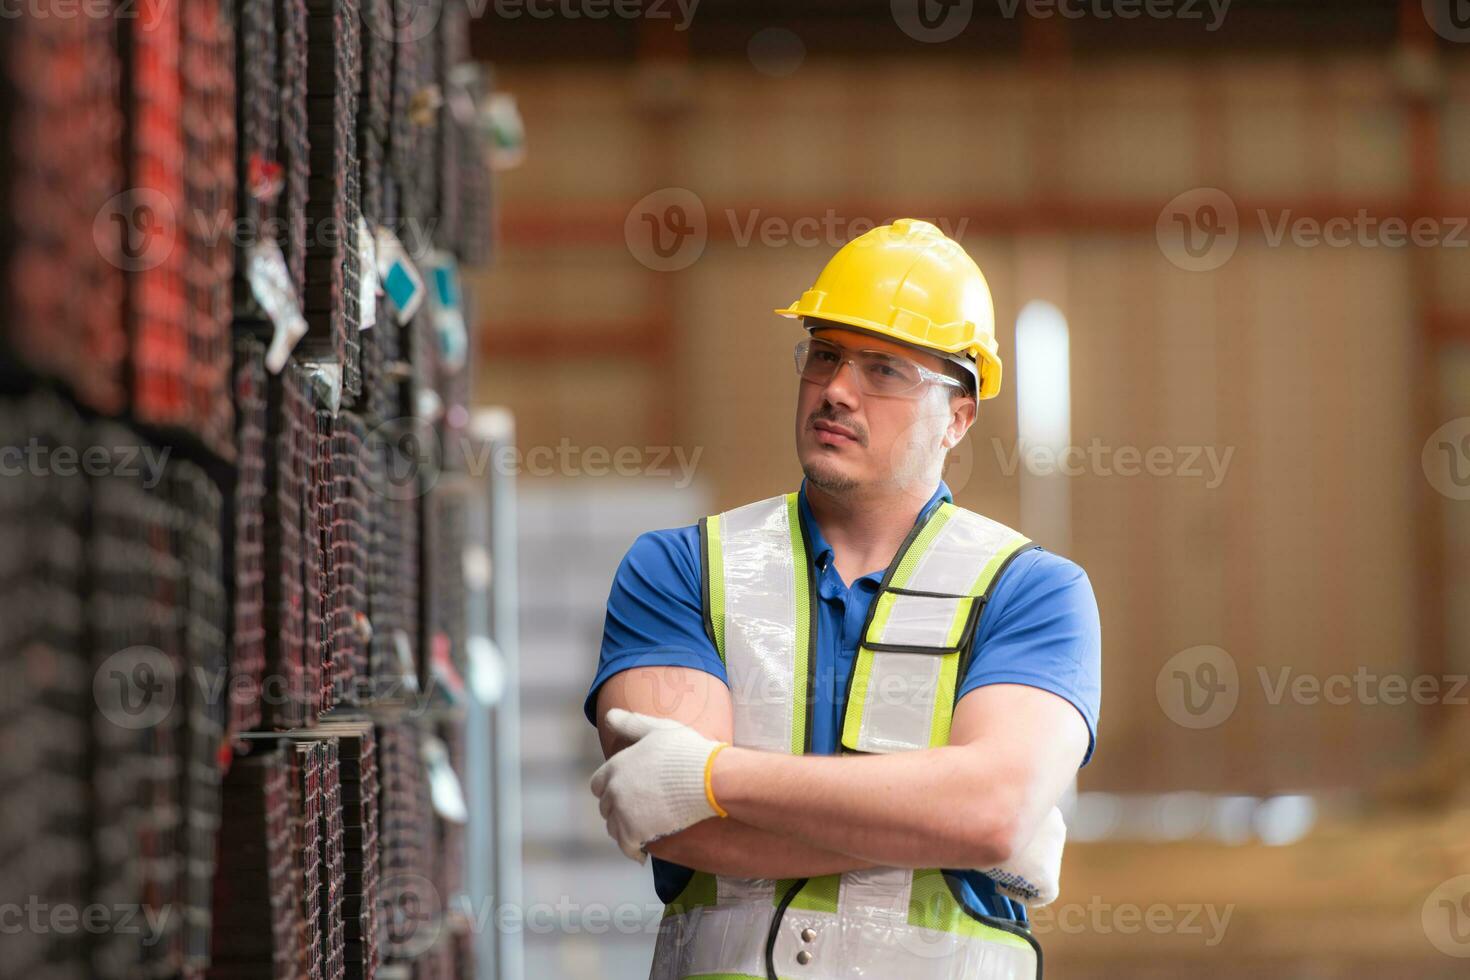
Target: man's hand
[(1033, 876), (655, 786)]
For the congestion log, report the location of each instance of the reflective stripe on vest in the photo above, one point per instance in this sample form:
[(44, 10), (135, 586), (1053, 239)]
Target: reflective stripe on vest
[(759, 601)]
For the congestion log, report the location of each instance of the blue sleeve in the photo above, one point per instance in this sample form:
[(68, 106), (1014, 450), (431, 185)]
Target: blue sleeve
[(655, 612), (1040, 628)]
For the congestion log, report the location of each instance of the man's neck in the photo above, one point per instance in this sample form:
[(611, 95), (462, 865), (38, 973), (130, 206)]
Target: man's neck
[(865, 530)]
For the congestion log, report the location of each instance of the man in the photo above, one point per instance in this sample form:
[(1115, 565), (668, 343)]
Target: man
[(823, 711)]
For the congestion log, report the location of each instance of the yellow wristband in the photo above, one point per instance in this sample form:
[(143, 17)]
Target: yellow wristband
[(709, 790)]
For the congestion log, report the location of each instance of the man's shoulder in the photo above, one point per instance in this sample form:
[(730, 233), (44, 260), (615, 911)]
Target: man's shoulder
[(1036, 578), (663, 558)]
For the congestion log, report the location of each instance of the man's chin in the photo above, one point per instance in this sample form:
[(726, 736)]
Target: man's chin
[(824, 476)]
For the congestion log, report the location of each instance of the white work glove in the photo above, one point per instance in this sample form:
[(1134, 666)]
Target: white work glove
[(655, 786), (1032, 875)]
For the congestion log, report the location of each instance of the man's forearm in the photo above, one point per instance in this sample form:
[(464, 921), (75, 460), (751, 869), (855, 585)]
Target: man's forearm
[(930, 808), (729, 847)]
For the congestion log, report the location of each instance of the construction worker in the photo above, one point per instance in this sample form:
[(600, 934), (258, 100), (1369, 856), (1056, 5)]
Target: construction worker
[(841, 719)]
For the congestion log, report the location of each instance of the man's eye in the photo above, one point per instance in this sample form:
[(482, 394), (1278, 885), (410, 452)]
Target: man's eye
[(824, 356)]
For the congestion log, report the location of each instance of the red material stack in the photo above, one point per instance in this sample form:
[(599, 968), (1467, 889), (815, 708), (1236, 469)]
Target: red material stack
[(208, 116), (176, 247), (60, 226)]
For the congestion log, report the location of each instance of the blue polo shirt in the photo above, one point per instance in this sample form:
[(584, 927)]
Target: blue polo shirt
[(1039, 628)]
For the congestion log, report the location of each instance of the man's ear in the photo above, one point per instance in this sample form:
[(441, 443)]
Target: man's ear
[(962, 412)]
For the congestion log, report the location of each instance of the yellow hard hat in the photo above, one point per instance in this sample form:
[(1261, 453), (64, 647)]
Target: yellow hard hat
[(910, 282)]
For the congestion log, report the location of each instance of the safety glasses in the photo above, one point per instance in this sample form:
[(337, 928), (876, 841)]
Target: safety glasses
[(878, 372)]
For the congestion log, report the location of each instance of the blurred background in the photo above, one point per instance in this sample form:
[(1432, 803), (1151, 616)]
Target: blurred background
[(350, 344), (1263, 373)]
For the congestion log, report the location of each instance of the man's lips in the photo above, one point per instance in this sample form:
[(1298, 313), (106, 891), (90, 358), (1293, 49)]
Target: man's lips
[(834, 433)]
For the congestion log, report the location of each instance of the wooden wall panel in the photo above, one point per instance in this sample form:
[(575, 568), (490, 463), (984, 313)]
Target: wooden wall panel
[(1296, 361)]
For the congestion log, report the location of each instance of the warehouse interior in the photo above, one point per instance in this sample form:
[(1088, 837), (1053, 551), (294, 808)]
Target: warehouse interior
[(351, 343)]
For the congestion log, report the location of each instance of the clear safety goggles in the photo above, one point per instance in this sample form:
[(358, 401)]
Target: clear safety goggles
[(878, 372)]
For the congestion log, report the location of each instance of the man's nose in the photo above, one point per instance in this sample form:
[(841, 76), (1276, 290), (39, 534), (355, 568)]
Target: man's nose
[(842, 389)]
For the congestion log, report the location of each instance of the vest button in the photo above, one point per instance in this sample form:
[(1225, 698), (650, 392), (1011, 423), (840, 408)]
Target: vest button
[(808, 934), (804, 957)]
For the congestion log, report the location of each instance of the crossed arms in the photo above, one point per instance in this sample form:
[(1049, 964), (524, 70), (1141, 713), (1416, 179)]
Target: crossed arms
[(970, 804)]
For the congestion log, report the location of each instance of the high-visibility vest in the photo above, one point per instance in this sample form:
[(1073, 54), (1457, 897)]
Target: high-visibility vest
[(760, 600)]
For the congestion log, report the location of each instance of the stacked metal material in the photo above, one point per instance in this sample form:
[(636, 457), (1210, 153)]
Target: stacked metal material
[(393, 571), (333, 82), (413, 124), (373, 100), (452, 49), (413, 908), (450, 853), (382, 372), (294, 151), (257, 889), (202, 695), (137, 614), (207, 63), (334, 879), (321, 664), (348, 543), (447, 530), (46, 701), (286, 693), (257, 159), (307, 772), (179, 325), (359, 776), (60, 226), (245, 547), (470, 200)]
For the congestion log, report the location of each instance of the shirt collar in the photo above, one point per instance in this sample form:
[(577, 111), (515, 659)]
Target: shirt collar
[(822, 551)]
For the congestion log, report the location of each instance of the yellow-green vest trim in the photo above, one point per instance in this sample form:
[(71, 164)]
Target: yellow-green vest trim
[(759, 593)]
